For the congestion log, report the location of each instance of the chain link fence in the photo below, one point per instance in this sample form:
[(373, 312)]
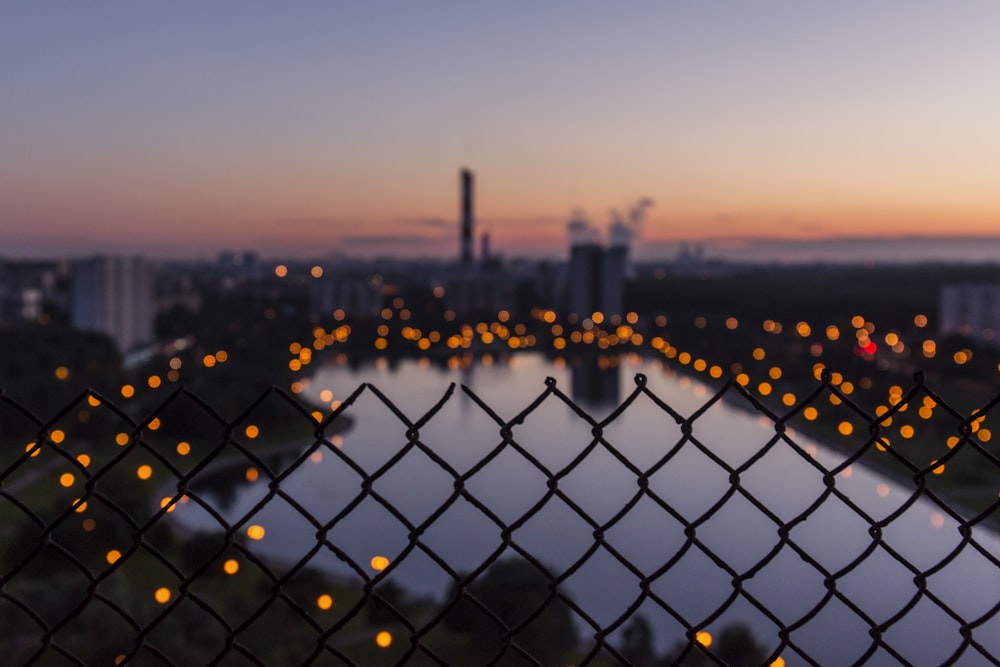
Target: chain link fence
[(186, 538)]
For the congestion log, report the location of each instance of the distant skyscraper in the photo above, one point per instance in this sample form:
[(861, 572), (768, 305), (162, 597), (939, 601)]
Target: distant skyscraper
[(114, 295), (467, 215), (596, 277), (584, 278), (24, 287), (971, 309), (614, 266), (349, 290)]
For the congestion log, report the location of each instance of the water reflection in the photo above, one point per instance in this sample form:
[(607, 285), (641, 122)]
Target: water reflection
[(596, 380), (808, 573)]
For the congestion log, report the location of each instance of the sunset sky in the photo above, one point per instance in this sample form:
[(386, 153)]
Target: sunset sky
[(184, 128)]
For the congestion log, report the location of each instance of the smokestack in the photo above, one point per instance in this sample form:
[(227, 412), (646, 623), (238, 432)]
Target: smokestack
[(467, 220), (619, 234), (484, 247), (581, 232)]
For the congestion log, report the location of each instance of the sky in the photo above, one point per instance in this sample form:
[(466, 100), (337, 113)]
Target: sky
[(183, 128)]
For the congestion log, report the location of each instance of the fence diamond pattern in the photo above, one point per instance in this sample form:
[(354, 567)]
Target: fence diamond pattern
[(94, 569)]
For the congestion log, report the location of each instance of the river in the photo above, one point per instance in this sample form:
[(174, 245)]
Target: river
[(783, 480)]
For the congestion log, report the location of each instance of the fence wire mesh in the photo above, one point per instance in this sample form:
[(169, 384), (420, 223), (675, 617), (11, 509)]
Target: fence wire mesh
[(97, 567)]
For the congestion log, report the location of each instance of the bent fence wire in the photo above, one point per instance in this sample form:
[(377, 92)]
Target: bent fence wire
[(185, 538)]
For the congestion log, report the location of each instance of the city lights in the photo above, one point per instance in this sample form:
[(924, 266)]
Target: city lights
[(695, 360), (764, 366)]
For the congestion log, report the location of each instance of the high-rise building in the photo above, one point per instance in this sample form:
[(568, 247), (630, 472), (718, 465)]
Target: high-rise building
[(466, 179), (25, 286), (971, 309), (114, 295), (584, 279), (614, 266), (349, 290), (596, 276)]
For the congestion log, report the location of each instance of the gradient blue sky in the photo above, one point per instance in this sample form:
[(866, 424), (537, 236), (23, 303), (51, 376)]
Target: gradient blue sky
[(183, 128)]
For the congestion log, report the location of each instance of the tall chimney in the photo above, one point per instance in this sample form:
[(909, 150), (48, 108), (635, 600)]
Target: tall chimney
[(484, 246), (467, 220)]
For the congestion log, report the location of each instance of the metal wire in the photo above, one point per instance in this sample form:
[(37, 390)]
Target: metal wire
[(65, 598)]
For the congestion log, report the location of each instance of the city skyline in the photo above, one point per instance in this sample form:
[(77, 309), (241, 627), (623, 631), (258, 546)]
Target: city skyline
[(340, 129)]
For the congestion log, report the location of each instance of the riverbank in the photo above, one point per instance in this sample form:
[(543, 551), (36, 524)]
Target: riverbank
[(967, 487)]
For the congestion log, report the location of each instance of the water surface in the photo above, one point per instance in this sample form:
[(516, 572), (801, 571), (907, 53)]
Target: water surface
[(786, 481)]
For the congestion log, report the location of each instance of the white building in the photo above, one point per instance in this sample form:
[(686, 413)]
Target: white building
[(114, 296), (971, 310), (353, 292)]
